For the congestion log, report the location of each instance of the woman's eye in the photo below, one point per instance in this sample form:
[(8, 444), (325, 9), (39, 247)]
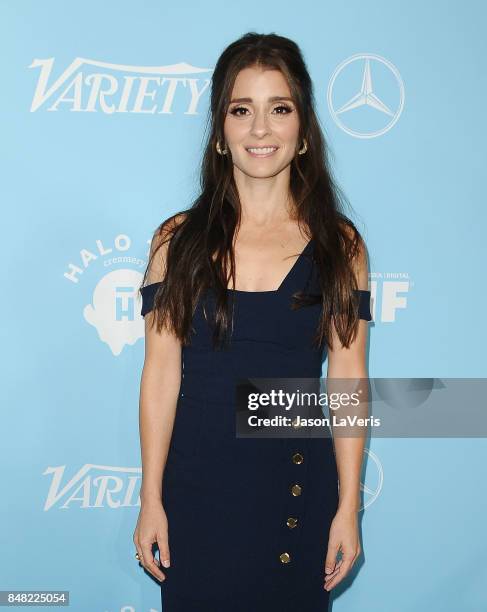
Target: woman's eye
[(239, 111), (288, 109), (235, 110)]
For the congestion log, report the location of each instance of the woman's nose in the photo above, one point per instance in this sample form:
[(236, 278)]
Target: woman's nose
[(260, 125)]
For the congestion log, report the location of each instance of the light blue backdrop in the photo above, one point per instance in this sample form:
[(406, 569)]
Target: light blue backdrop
[(82, 190)]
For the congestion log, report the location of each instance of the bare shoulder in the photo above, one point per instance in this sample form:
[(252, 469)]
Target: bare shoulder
[(168, 227), (359, 260), (159, 246), (161, 347)]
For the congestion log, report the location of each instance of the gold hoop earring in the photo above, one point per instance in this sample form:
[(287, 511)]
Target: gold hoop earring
[(304, 147), (219, 149)]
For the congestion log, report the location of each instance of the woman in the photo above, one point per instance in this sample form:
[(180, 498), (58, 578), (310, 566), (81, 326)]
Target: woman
[(247, 524)]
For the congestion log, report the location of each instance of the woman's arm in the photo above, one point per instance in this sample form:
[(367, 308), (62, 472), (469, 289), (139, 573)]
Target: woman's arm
[(159, 390), (159, 386), (348, 363)]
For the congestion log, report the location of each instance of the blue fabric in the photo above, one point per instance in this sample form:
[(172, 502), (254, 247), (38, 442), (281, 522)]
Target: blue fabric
[(364, 304), (227, 498), (148, 293)]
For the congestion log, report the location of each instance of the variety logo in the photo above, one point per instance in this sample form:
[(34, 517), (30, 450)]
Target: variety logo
[(394, 288), (115, 305), (94, 486), (89, 86), (365, 95)]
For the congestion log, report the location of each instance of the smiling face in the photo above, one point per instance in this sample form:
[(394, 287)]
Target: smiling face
[(261, 125)]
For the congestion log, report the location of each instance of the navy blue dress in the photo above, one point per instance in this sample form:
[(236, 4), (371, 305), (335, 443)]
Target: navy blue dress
[(248, 518)]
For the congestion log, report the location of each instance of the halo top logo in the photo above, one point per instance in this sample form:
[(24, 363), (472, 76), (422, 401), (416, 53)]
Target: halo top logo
[(113, 306)]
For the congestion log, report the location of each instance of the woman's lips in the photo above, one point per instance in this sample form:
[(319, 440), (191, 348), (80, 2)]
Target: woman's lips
[(261, 151)]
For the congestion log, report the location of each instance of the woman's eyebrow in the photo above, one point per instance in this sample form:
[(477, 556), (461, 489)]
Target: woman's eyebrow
[(271, 99)]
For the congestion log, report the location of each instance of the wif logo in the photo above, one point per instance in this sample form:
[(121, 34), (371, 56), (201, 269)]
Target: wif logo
[(91, 86), (394, 288), (94, 486)]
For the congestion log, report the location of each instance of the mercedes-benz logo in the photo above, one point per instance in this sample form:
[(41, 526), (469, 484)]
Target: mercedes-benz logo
[(381, 90)]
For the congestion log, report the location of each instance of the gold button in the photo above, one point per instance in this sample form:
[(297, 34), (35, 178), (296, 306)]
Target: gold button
[(296, 490), (285, 557), (291, 522), (298, 458)]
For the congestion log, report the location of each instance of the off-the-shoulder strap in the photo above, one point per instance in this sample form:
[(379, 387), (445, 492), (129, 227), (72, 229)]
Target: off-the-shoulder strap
[(364, 304), (148, 293)]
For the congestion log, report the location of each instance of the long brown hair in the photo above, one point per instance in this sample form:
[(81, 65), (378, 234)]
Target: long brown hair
[(201, 237)]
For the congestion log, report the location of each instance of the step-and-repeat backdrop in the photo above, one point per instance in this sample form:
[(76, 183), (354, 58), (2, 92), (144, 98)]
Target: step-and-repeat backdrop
[(103, 109)]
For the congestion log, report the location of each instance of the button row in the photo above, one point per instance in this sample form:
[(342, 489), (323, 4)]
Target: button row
[(292, 521)]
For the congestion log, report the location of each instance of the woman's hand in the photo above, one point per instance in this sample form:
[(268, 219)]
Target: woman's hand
[(152, 527), (344, 535)]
